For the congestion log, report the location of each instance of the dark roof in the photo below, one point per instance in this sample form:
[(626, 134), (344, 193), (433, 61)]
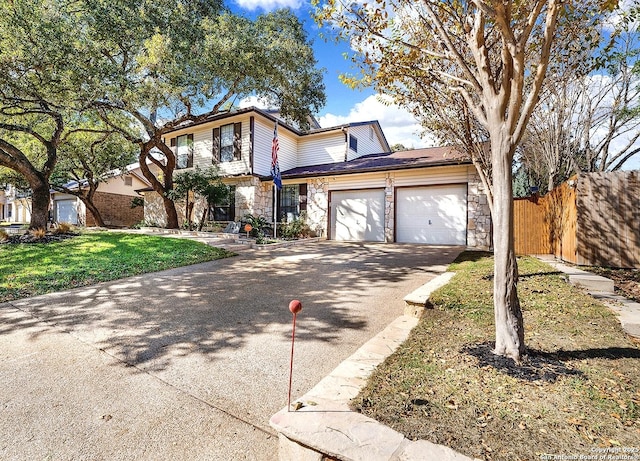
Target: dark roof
[(416, 158)]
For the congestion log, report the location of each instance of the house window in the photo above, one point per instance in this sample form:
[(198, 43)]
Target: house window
[(225, 210), (128, 181), (371, 133), (353, 143), (183, 148), (292, 200), (227, 143)]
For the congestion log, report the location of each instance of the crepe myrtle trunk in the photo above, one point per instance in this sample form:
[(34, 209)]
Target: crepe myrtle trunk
[(40, 197), (508, 316)]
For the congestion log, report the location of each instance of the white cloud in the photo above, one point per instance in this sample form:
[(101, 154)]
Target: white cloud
[(398, 125), (268, 5), (616, 18), (254, 101)]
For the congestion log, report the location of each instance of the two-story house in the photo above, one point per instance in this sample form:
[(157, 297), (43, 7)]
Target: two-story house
[(346, 179)]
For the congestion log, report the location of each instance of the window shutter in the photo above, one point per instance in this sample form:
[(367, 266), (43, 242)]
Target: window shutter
[(302, 195), (237, 141), (172, 143), (216, 145), (190, 145)]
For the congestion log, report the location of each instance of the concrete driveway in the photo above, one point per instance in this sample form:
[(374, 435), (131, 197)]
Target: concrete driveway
[(190, 363)]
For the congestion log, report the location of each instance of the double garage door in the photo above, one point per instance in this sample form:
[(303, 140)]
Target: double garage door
[(435, 215)]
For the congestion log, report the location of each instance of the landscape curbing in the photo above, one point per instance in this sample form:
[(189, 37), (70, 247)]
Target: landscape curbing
[(324, 427)]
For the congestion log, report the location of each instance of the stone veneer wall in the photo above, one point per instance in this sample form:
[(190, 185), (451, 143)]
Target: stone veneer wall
[(252, 197), (317, 205), (256, 197), (154, 214), (389, 209), (478, 214)]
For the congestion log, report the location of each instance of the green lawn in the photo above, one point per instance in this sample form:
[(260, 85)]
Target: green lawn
[(34, 269), (577, 393)]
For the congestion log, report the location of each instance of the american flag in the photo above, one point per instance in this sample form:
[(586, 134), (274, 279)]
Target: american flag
[(275, 168)]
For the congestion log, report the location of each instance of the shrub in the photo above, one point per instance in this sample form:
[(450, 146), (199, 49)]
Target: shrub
[(295, 229), (4, 235), (259, 225), (63, 228), (38, 233)]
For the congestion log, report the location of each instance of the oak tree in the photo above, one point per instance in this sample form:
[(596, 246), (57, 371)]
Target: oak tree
[(170, 63)]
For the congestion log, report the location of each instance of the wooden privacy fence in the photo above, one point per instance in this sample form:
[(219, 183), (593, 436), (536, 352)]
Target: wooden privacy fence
[(593, 219)]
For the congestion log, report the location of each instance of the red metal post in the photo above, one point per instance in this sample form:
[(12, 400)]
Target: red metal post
[(295, 306)]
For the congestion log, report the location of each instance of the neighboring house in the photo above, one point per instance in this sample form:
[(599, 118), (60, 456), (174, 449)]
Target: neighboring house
[(113, 199), (14, 206), (345, 178)]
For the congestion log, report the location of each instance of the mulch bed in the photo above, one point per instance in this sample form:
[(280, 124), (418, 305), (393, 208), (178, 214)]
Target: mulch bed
[(29, 238)]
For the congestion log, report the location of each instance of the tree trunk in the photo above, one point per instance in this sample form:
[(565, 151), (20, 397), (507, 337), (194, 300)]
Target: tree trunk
[(160, 188), (94, 211), (204, 217), (172, 214), (39, 204), (508, 316)]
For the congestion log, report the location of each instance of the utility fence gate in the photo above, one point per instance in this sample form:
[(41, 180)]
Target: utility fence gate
[(592, 220)]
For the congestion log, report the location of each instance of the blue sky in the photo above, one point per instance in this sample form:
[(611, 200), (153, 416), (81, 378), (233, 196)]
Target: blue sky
[(343, 105)]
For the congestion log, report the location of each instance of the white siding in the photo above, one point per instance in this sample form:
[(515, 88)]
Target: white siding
[(203, 146), (263, 138), (356, 181), (368, 141), (318, 149), (437, 175)]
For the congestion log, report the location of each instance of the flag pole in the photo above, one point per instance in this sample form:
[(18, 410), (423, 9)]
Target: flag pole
[(275, 210)]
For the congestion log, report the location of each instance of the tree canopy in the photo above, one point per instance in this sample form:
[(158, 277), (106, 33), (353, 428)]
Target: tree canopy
[(168, 70), (144, 68)]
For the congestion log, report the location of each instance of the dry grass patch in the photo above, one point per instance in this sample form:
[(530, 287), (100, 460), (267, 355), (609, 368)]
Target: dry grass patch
[(577, 391)]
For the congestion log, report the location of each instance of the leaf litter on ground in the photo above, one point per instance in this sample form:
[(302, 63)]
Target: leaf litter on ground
[(576, 390)]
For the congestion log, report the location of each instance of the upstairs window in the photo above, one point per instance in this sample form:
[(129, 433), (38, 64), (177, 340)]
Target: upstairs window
[(227, 143), (353, 143), (183, 149)]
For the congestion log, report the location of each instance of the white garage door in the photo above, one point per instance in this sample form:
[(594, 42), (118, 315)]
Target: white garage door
[(357, 215), (66, 211), (435, 214)]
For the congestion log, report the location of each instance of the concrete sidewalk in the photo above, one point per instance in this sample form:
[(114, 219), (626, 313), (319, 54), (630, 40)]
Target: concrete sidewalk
[(190, 363), (602, 288)]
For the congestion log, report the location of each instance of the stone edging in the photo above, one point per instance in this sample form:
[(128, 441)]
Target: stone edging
[(325, 426)]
